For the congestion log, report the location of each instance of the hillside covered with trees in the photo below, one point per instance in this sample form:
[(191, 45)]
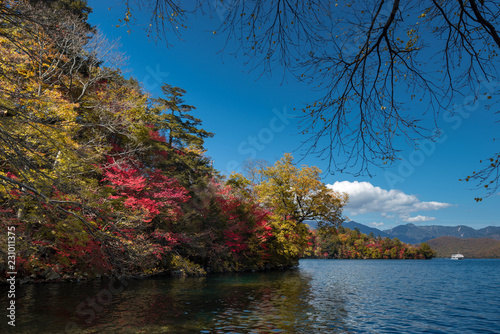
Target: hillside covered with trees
[(344, 243), (475, 248)]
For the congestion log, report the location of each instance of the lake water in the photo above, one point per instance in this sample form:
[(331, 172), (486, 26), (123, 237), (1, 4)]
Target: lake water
[(321, 296)]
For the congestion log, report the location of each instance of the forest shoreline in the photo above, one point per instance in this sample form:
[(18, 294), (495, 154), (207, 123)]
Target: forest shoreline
[(84, 279)]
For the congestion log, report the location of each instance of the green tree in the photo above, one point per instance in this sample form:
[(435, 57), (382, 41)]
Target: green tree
[(79, 8), (184, 138), (426, 250), (181, 128), (240, 184)]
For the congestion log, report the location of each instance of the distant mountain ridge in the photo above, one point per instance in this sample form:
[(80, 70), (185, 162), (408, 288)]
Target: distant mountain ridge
[(482, 248), (410, 233), (366, 229)]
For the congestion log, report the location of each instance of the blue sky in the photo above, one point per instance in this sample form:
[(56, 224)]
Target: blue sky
[(252, 116)]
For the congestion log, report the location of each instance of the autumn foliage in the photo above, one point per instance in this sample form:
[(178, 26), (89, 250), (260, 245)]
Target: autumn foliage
[(344, 243), (142, 190), (100, 178)]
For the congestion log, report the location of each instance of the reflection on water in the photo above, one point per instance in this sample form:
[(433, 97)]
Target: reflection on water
[(272, 302), (322, 296)]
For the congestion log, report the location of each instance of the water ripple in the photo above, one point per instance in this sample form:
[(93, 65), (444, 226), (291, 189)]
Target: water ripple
[(322, 296)]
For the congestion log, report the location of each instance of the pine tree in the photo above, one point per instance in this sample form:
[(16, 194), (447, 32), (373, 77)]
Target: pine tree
[(181, 128)]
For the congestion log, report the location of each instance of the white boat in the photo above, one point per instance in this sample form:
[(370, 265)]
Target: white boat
[(457, 257)]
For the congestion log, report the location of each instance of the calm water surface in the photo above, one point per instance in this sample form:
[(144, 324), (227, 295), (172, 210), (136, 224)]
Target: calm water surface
[(321, 296)]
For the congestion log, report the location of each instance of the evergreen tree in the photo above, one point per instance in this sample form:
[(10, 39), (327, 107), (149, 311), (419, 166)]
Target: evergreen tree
[(181, 128)]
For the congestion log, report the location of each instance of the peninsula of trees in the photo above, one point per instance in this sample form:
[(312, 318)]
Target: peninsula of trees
[(99, 178)]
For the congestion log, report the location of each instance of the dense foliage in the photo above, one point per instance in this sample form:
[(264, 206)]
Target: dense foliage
[(344, 243), (99, 178)]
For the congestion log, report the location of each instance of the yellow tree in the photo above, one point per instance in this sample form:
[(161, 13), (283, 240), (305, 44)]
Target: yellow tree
[(299, 194), (296, 195), (50, 63), (37, 120), (51, 103)]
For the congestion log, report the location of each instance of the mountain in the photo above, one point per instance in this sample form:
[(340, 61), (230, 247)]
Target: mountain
[(365, 229), (413, 234), (470, 248), (492, 232)]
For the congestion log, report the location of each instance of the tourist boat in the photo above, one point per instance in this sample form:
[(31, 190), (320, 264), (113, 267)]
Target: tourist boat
[(457, 257)]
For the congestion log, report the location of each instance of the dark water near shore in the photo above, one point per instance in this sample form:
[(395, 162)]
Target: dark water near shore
[(321, 296)]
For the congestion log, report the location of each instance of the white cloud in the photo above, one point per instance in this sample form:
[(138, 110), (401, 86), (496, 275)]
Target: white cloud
[(418, 219), (366, 198), (376, 224)]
